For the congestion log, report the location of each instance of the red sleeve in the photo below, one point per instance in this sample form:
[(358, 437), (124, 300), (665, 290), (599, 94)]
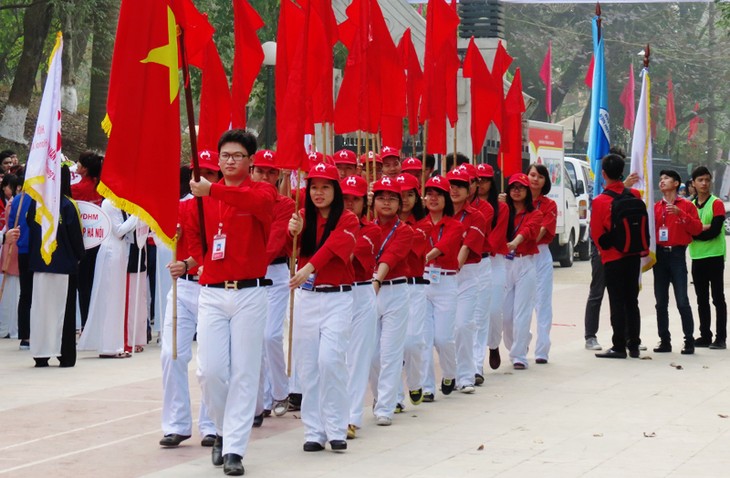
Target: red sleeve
[(474, 236), (277, 245), (488, 212), (718, 208), (397, 248), (191, 230), (450, 242), (256, 198), (340, 243), (364, 253), (549, 216), (530, 227), (689, 214), (600, 217)]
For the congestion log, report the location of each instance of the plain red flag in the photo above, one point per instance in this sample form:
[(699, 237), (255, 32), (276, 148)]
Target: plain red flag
[(511, 138), (215, 100), (485, 95), (546, 75), (414, 79), (247, 59), (144, 116), (500, 65), (320, 62), (671, 115), (628, 102), (589, 74), (694, 123)]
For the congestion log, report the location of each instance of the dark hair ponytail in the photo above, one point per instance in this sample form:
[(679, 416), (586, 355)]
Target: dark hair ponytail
[(309, 234)]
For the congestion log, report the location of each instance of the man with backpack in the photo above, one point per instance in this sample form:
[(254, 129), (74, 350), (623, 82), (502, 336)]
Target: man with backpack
[(619, 228)]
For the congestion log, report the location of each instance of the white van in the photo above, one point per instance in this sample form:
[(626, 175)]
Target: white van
[(580, 174)]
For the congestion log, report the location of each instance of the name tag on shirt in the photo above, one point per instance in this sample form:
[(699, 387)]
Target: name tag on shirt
[(663, 234), (309, 284), (434, 274), (219, 247)]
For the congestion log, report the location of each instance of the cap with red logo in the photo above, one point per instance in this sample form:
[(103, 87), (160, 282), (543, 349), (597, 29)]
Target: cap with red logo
[(519, 178), (265, 158), (386, 184), (389, 152), (408, 182), (324, 171), (485, 171), (458, 175), (411, 164), (440, 183), (354, 185), (470, 169), (208, 159), (345, 156), (368, 157)]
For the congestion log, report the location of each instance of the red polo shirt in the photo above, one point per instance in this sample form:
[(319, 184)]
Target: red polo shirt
[(488, 212), (395, 241), (549, 210), (498, 234), (446, 236), (527, 224), (186, 208), (681, 226), (85, 190), (277, 246), (419, 247), (475, 226), (363, 259), (601, 220)]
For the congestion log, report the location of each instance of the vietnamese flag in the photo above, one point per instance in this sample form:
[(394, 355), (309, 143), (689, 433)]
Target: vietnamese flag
[(510, 146), (247, 59), (414, 79), (671, 114), (144, 116), (485, 93)]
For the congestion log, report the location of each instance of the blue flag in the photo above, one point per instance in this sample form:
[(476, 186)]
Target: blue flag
[(598, 139)]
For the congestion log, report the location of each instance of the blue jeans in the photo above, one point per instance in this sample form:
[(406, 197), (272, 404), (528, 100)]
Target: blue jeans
[(671, 268)]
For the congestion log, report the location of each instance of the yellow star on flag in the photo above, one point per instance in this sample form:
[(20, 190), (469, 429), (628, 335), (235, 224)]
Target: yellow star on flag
[(167, 55)]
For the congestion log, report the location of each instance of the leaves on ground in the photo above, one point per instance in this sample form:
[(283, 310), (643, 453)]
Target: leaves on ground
[(480, 448), (649, 434)]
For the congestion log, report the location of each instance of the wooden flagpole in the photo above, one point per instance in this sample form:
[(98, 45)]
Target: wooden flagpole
[(423, 161), (174, 302), (292, 267)]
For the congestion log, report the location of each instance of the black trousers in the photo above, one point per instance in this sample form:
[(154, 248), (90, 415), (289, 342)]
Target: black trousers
[(707, 274), (595, 294), (26, 296), (622, 282), (68, 334), (86, 281)]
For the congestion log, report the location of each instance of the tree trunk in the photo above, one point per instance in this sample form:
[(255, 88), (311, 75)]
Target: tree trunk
[(76, 31), (36, 22), (105, 26), (712, 150)]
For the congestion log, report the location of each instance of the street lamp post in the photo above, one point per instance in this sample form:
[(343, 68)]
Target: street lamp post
[(269, 62)]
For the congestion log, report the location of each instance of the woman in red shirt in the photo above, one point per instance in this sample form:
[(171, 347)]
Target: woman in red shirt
[(540, 184), (323, 307), (523, 227), (442, 264), (364, 314)]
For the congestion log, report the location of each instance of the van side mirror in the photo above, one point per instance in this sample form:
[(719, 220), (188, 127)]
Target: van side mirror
[(580, 189)]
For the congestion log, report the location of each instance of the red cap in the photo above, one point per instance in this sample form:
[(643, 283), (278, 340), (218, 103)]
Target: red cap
[(315, 158), (411, 164), (485, 171), (389, 152), (408, 182), (458, 174), (386, 184), (324, 171), (265, 158), (519, 178), (439, 182), (208, 159), (345, 156), (368, 157), (329, 159), (470, 169), (354, 185)]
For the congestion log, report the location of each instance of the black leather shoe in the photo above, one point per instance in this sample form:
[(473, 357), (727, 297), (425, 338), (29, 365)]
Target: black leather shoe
[(717, 345), (478, 379), (338, 445), (41, 362), (703, 342), (172, 440), (663, 347), (216, 454), (295, 402), (313, 446), (232, 465), (611, 353), (258, 420), (208, 440), (494, 359), (688, 349), (634, 352)]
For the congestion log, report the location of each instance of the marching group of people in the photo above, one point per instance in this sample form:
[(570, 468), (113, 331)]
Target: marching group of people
[(393, 264)]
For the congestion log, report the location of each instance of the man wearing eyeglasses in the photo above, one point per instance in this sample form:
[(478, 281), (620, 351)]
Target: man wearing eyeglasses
[(233, 301)]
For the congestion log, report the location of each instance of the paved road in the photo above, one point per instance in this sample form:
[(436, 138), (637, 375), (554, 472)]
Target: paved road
[(576, 416)]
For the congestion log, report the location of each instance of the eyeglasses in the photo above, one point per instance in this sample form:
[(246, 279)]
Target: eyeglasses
[(386, 199), (234, 156)]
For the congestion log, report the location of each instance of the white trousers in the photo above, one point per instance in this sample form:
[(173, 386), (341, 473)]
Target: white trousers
[(363, 330), (230, 343), (46, 313), (481, 313), (415, 346), (519, 302), (387, 364), (137, 310), (439, 330), (465, 325), (276, 383), (176, 409), (321, 333), (9, 307), (496, 305), (543, 300)]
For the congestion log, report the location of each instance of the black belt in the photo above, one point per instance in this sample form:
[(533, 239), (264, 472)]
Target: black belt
[(190, 277), (670, 248), (365, 282), (329, 288), (418, 280), (486, 254), (447, 273), (279, 260), (241, 284), (394, 282)]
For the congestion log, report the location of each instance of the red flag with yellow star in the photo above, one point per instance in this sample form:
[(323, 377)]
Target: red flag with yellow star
[(141, 167)]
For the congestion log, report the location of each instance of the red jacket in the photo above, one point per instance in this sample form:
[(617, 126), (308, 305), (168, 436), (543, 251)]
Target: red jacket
[(395, 241), (446, 236), (363, 259), (681, 226), (416, 257), (498, 235), (549, 211), (601, 220), (527, 224), (277, 246), (488, 212), (186, 208), (474, 234), (246, 213), (85, 190)]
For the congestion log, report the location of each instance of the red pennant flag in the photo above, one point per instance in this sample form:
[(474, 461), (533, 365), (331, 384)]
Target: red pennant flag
[(485, 93), (414, 80), (215, 101), (144, 116), (247, 60), (320, 62), (670, 115), (694, 123), (511, 138), (452, 63), (589, 74), (627, 100), (500, 65), (546, 75)]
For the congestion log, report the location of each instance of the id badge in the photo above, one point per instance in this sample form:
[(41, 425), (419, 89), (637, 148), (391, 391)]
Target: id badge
[(510, 256), (434, 274), (219, 247), (309, 283), (663, 234)]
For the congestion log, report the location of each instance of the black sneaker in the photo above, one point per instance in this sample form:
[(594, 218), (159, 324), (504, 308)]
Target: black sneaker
[(689, 348), (663, 347), (717, 345), (295, 402), (703, 342), (447, 385), (399, 407), (416, 396), (428, 398), (478, 379)]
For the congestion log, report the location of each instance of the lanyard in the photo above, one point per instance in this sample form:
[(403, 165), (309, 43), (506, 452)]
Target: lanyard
[(387, 239), (539, 201), (463, 215), (430, 238), (514, 233), (221, 213)]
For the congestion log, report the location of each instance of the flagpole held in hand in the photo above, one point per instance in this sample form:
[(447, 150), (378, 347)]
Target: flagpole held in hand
[(423, 162), (292, 266), (174, 301)]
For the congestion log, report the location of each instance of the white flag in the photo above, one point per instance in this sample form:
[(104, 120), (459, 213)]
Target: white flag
[(43, 171), (642, 163)]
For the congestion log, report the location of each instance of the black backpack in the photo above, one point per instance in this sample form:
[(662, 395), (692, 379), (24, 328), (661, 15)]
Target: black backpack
[(629, 232)]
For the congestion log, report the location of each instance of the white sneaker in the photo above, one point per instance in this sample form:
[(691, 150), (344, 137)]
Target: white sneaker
[(466, 389), (592, 344), (281, 407), (383, 421)]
